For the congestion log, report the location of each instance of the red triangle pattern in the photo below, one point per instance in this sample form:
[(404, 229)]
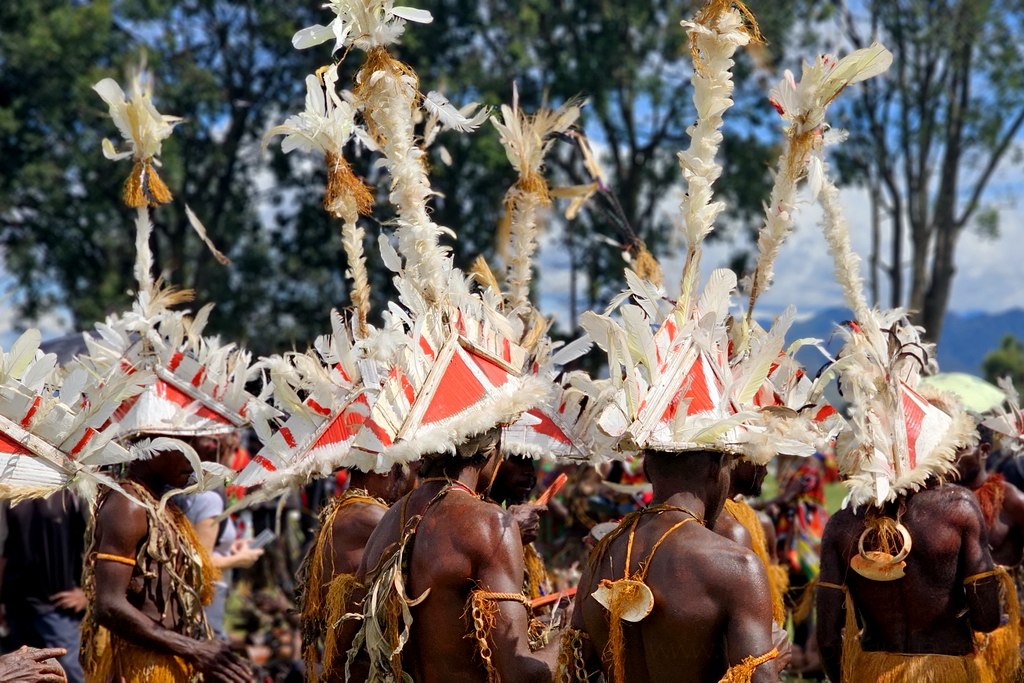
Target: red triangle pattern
[(697, 392), (9, 446), (547, 427), (913, 414), (458, 390), (175, 395)]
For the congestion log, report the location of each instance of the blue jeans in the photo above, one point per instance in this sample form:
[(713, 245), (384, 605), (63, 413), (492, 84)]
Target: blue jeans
[(61, 629)]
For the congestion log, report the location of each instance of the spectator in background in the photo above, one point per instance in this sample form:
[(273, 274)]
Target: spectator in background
[(218, 536), (43, 549)]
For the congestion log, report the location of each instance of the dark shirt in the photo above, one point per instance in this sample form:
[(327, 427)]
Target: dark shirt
[(44, 549)]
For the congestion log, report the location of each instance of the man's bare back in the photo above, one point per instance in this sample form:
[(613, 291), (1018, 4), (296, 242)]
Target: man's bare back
[(704, 585), (927, 611), (462, 544), (350, 531)]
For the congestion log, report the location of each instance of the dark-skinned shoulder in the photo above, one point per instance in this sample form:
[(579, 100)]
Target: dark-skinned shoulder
[(730, 528), (121, 525), (724, 560), (358, 518), (493, 525), (957, 503)]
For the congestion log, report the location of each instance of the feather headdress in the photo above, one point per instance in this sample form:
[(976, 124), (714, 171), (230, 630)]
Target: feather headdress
[(370, 398), (676, 389), (50, 438), (192, 384), (793, 406), (900, 433), (563, 425)]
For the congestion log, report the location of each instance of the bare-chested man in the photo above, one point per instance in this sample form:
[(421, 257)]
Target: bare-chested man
[(704, 586), (345, 526), (947, 593), (473, 623), (146, 578)]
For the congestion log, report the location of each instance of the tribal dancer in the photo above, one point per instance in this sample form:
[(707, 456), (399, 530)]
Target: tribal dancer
[(906, 575), (458, 377), (146, 575), (329, 569), (688, 405)]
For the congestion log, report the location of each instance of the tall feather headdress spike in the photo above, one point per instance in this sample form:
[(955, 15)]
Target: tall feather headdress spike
[(806, 416), (527, 139), (326, 126), (718, 30), (388, 94), (563, 426), (327, 391), (803, 106), (675, 389)]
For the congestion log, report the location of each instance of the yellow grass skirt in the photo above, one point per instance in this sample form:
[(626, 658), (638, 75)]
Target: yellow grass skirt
[(887, 667), (1001, 648), (118, 660)]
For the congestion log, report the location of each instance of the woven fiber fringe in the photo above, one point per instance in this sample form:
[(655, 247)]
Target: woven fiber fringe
[(885, 667), (616, 648), (1001, 649), (311, 592), (778, 577), (744, 671), (339, 593), (119, 660), (536, 574)]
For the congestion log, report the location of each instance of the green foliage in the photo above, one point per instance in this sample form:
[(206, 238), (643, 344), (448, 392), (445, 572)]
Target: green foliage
[(1007, 360), (229, 68)]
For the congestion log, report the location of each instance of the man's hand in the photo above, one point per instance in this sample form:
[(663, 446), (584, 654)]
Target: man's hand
[(216, 662), (73, 600), (32, 665), (528, 518)]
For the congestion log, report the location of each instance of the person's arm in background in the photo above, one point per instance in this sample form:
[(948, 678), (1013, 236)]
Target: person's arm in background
[(207, 525)]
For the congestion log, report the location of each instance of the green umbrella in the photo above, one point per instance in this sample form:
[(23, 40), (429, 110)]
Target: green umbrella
[(977, 395)]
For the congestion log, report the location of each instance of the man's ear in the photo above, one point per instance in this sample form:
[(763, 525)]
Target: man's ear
[(985, 448)]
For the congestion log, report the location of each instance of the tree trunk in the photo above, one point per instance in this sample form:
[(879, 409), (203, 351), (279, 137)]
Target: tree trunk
[(876, 236)]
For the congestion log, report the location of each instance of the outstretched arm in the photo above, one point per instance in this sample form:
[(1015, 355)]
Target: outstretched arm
[(121, 526)]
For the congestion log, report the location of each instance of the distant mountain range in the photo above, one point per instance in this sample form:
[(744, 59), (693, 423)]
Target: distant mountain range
[(966, 338)]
